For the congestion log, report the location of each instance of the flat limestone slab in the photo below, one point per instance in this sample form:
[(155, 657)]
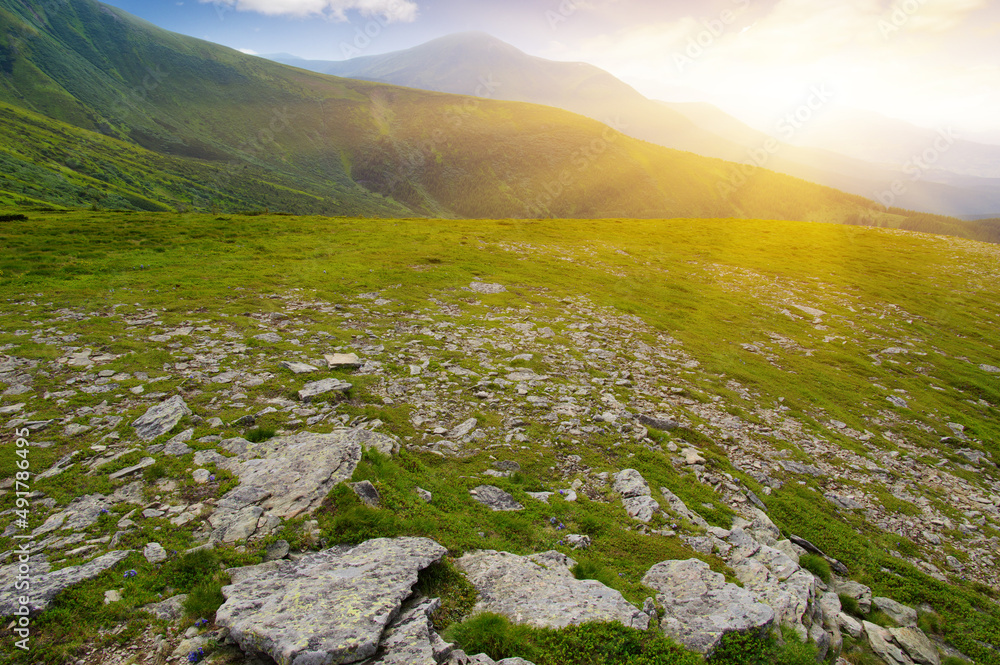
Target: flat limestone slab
[(540, 590), (330, 607)]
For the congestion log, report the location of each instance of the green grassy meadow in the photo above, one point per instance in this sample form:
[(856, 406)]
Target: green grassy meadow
[(712, 285)]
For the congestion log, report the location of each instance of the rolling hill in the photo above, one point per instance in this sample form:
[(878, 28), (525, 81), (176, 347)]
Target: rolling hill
[(178, 122), (481, 65)]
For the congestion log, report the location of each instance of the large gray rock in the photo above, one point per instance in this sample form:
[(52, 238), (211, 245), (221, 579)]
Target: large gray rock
[(329, 607), (495, 499), (84, 511), (700, 606), (171, 609), (680, 508), (882, 643), (899, 613), (160, 418), (916, 645), (777, 581), (829, 604), (636, 495), (315, 389), (47, 585), (286, 476), (857, 591), (411, 640), (540, 590)]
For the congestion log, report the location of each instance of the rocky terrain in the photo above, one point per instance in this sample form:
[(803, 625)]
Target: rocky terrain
[(150, 433)]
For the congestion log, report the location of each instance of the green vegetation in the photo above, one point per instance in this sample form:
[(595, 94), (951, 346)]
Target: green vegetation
[(711, 285), (610, 643), (816, 565), (100, 110)]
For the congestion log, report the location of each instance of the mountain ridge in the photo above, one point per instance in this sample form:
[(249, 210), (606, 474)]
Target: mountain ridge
[(479, 64)]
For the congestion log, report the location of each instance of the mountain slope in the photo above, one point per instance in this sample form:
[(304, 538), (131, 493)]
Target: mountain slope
[(348, 146), (479, 64)]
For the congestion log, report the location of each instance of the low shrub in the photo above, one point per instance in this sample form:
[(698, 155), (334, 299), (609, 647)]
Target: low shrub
[(259, 434), (816, 565)]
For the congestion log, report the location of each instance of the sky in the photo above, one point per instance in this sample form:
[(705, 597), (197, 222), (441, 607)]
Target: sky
[(933, 63)]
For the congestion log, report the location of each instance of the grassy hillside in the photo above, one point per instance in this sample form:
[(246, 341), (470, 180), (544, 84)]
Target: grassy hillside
[(880, 382), (257, 134)]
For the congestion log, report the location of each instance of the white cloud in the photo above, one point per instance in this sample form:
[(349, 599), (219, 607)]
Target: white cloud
[(403, 11), (248, 51)]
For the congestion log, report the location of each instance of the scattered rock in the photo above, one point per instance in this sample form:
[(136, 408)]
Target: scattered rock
[(804, 469), (662, 424), (489, 289), (495, 498), (636, 495), (171, 609), (127, 471), (367, 493), (916, 645), (328, 607), (343, 361), (990, 369), (881, 642), (700, 606), (154, 553), (898, 401), (47, 585), (899, 613), (858, 592), (540, 590), (276, 550), (298, 368), (311, 391), (160, 418), (843, 502)]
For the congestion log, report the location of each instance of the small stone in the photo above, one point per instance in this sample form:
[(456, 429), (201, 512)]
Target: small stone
[(143, 463), (276, 550), (154, 553), (201, 476), (662, 424), (424, 495), (112, 596), (316, 389), (299, 368), (489, 289), (578, 541), (343, 361), (367, 493), (495, 499)]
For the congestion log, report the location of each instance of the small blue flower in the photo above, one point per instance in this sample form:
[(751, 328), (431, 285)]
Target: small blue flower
[(130, 573), (212, 477), (562, 492), (553, 520), (104, 511)]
